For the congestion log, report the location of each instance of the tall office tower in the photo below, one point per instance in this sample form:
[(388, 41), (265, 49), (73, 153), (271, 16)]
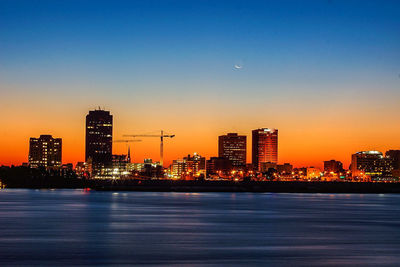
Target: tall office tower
[(99, 141), (45, 151), (371, 164), (265, 146), (233, 147)]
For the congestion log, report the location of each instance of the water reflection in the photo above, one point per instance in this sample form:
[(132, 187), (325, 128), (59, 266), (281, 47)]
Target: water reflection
[(86, 227)]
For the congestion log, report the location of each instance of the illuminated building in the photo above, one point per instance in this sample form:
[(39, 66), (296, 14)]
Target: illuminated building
[(178, 168), (82, 169), (45, 151), (119, 165), (188, 167), (233, 147), (147, 168), (333, 166), (196, 164), (370, 164), (313, 173), (99, 127), (264, 146)]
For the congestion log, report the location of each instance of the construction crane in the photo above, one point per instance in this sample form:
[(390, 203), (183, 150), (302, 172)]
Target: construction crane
[(129, 148), (161, 136)]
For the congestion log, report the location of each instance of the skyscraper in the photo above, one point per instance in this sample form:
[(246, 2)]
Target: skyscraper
[(45, 151), (233, 147), (99, 141), (265, 146)]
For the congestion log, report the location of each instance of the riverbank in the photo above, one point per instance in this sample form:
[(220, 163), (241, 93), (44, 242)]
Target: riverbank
[(20, 177)]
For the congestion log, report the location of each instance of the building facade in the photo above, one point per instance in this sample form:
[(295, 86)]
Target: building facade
[(190, 167), (45, 151), (370, 165), (99, 128), (264, 147), (233, 147)]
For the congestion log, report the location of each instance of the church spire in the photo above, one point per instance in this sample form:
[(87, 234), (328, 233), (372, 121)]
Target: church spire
[(129, 154)]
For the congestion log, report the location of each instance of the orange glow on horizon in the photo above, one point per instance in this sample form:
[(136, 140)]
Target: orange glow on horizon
[(308, 135)]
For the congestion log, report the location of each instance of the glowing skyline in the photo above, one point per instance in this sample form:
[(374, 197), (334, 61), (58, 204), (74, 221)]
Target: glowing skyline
[(325, 73)]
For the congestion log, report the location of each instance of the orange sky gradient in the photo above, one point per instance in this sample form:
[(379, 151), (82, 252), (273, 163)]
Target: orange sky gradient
[(310, 131)]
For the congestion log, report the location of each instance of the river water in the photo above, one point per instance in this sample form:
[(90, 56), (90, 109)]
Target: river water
[(77, 227)]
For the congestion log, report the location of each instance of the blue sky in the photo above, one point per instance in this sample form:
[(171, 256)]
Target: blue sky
[(187, 39)]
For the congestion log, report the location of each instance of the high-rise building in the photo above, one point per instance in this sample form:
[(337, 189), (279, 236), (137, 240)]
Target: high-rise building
[(265, 146), (333, 166), (233, 147), (99, 128), (370, 164), (45, 151)]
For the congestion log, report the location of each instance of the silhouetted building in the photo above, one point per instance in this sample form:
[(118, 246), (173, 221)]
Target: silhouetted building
[(333, 166), (285, 168), (265, 146), (67, 171), (370, 164), (265, 166), (45, 151), (219, 166), (233, 147), (99, 128), (394, 155)]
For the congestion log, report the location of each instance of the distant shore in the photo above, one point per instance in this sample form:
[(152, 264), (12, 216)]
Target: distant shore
[(211, 186), (20, 177)]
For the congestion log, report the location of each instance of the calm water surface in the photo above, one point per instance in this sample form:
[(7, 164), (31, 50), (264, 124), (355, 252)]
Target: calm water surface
[(71, 227)]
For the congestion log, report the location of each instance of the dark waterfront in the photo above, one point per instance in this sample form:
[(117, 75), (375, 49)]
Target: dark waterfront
[(71, 227)]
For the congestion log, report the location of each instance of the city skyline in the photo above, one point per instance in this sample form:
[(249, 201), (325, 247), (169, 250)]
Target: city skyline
[(199, 132), (102, 120), (326, 77)]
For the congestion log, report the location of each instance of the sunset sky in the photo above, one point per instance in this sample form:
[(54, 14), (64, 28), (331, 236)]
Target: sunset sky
[(325, 73)]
